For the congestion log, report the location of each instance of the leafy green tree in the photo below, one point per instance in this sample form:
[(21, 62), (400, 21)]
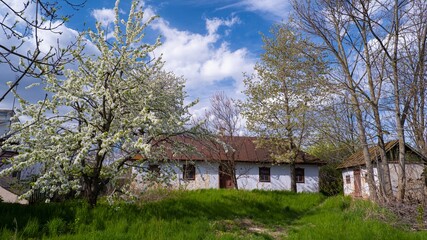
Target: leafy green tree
[(283, 94), (333, 153), (115, 105)]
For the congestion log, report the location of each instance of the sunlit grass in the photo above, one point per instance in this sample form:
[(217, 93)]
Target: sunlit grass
[(205, 214)]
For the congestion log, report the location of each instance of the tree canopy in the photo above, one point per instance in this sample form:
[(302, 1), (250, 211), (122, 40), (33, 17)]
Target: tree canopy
[(114, 105), (283, 92)]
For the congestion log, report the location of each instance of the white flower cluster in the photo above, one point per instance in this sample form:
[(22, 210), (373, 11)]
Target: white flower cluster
[(114, 106)]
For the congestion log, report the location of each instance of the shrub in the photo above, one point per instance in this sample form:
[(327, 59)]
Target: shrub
[(330, 180)]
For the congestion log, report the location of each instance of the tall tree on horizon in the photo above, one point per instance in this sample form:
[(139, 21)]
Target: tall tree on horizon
[(283, 92)]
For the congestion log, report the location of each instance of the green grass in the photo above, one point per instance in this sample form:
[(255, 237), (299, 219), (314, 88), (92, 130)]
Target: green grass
[(206, 214)]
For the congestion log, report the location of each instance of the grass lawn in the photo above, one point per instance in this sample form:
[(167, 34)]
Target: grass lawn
[(205, 214)]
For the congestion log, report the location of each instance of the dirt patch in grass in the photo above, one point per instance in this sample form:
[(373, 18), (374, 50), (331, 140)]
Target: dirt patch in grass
[(247, 228)]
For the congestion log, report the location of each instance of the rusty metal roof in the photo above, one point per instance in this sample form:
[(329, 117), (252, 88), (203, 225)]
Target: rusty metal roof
[(236, 148), (357, 159)]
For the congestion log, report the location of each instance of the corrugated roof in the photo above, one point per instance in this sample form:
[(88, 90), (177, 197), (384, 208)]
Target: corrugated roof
[(245, 150), (357, 159)]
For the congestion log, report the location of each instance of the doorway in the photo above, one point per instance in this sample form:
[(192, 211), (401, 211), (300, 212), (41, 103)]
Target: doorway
[(225, 180), (357, 183)]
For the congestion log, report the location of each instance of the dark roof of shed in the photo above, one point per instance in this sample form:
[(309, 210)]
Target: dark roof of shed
[(357, 159)]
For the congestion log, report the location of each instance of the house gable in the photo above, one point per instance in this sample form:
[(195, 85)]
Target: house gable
[(392, 149)]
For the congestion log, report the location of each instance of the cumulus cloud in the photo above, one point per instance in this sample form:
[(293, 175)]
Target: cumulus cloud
[(203, 59), (105, 16), (206, 61)]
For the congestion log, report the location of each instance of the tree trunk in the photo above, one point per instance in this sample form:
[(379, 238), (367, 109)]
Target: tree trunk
[(401, 188), (234, 177), (383, 172), (91, 189), (363, 141), (398, 116), (388, 191), (293, 176)]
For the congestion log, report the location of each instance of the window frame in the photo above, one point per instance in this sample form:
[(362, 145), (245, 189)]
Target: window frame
[(262, 174), (189, 172), (299, 178), (347, 179)]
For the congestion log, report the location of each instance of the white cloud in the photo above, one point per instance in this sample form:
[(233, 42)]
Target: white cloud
[(105, 16), (202, 59), (276, 9), (212, 25), (206, 61)]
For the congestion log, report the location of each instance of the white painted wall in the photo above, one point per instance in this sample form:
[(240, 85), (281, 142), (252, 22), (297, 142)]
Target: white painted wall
[(207, 176), (248, 177), (413, 173), (348, 187)]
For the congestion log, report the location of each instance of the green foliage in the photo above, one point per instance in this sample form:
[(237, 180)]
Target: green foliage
[(206, 214), (420, 216), (330, 180), (284, 93), (56, 226), (332, 152), (31, 229), (286, 87)]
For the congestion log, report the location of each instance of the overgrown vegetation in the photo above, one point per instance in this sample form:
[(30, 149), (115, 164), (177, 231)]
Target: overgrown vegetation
[(206, 214)]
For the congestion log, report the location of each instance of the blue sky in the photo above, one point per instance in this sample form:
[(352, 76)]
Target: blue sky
[(210, 43)]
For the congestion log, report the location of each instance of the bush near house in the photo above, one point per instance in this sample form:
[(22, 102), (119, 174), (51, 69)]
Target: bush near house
[(206, 214)]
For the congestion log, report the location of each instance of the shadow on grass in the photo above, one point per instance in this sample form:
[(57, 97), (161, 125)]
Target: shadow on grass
[(187, 208)]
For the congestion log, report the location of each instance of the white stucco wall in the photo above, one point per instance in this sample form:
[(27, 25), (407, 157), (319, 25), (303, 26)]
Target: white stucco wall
[(248, 177), (413, 173), (207, 176), (348, 187)]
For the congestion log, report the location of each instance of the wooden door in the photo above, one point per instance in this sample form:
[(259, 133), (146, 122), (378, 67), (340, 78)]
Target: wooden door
[(225, 180), (357, 183)]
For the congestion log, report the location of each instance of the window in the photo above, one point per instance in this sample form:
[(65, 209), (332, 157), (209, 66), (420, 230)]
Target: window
[(189, 172), (264, 174), (347, 179), (154, 170), (299, 175)]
